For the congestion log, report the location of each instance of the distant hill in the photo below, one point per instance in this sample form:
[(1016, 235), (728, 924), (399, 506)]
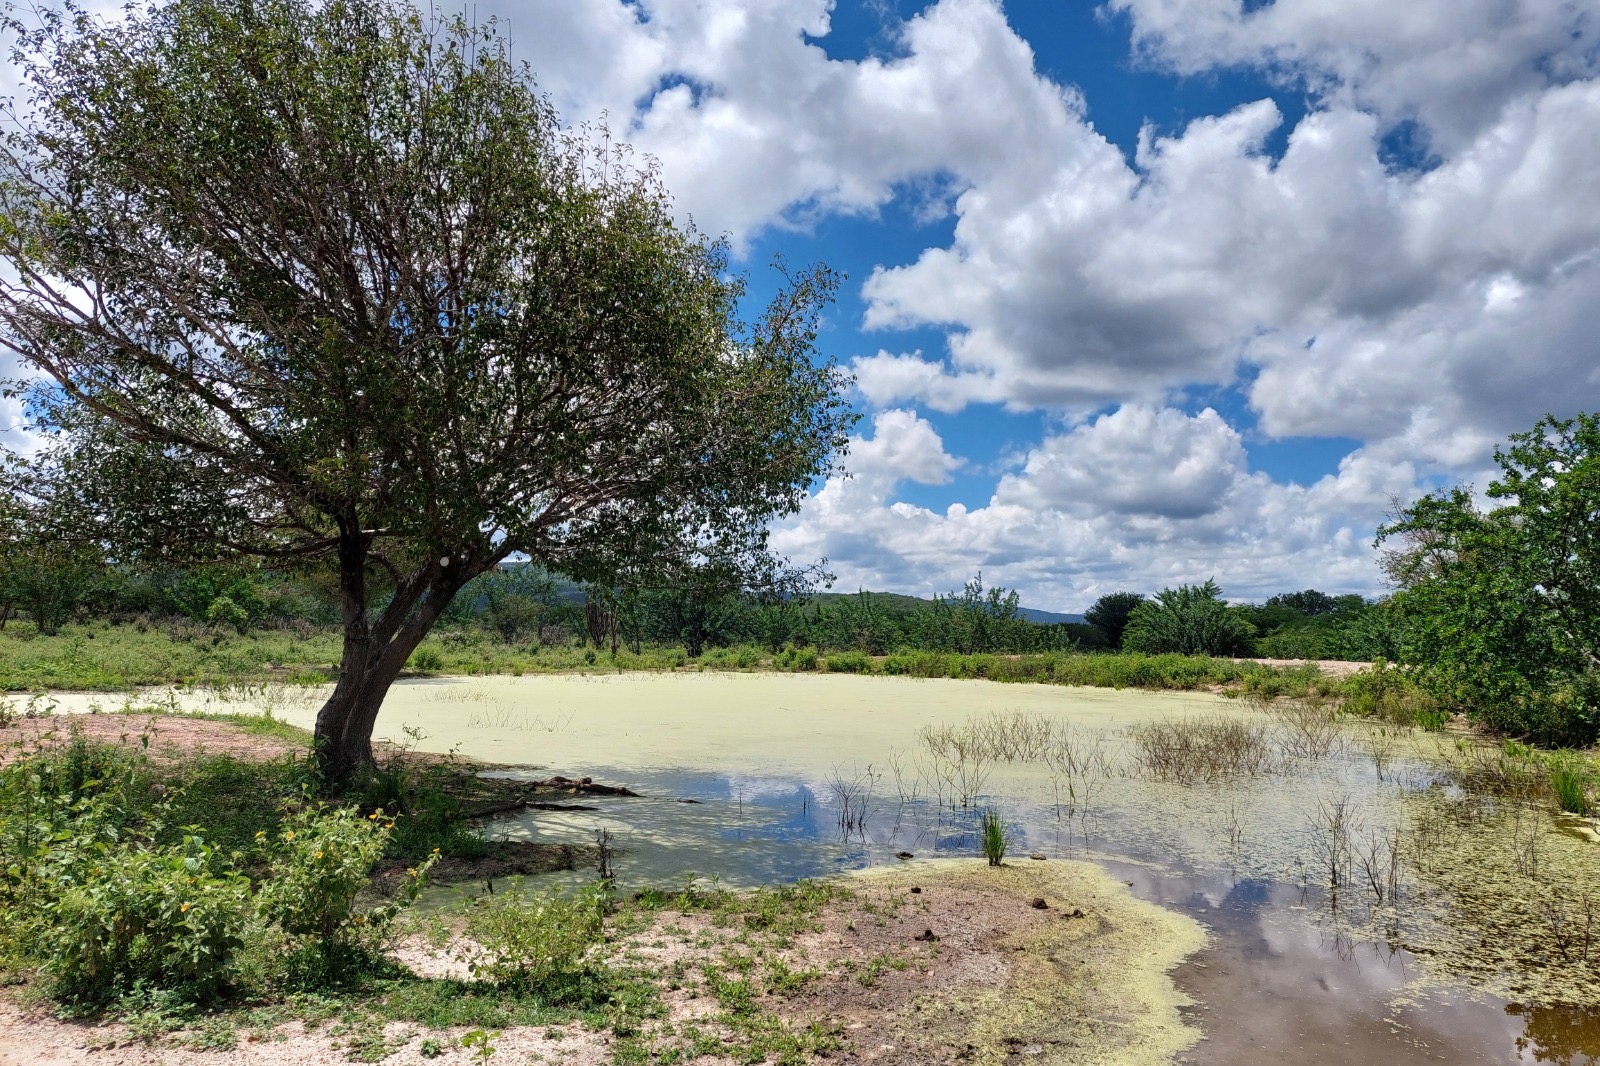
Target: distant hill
[(907, 602), (572, 592), (1048, 617)]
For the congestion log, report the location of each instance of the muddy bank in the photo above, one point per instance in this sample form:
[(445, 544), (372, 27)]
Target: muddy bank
[(1079, 971)]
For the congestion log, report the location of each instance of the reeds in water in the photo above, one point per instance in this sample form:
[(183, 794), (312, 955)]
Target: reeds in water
[(1202, 747), (993, 832)]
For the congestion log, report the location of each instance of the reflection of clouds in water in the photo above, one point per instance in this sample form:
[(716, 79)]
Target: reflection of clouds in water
[(1281, 981), (1275, 987)]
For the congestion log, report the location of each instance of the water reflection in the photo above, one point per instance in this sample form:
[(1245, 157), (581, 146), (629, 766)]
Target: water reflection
[(1568, 1036), (816, 774), (1279, 982)]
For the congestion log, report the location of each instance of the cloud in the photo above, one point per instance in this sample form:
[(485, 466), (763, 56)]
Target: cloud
[(1451, 65), (1139, 498), (1369, 302), (756, 127), (886, 379), (903, 447), (1134, 461)]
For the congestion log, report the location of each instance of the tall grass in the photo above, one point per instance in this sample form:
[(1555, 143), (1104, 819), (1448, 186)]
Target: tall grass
[(1569, 780), (993, 832)]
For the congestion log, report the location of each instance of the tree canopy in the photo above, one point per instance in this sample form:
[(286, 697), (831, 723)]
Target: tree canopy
[(329, 285), (1502, 603), (1110, 612), (1191, 620)]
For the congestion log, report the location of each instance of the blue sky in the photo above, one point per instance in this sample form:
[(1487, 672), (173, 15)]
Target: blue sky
[(1140, 292)]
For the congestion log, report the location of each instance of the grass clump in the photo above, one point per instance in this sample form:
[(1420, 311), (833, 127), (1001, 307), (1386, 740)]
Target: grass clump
[(1569, 781), (993, 833)]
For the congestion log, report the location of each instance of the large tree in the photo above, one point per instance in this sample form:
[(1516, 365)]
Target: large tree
[(328, 284), (1501, 604), (1109, 614), (1190, 620)]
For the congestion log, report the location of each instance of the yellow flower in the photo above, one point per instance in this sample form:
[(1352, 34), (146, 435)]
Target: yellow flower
[(436, 851), (289, 835), (260, 833), (359, 919), (319, 854), (184, 909), (412, 871), (373, 817)]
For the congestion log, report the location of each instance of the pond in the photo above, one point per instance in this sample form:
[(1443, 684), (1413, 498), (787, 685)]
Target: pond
[(1369, 891)]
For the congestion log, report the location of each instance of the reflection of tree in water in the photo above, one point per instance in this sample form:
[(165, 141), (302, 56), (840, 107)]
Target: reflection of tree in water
[(1566, 1035)]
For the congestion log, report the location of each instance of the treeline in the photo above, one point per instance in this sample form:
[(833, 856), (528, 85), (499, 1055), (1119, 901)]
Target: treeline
[(1196, 620), (522, 604), (51, 589)]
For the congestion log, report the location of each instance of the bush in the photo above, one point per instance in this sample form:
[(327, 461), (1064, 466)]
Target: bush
[(425, 660), (167, 918), (1393, 694), (533, 940), (800, 659), (223, 611), (847, 662), (323, 860)]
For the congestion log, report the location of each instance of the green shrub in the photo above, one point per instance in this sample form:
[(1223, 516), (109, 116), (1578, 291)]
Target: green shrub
[(799, 659), (167, 918), (322, 862), (223, 611), (535, 939), (847, 662), (1393, 694), (425, 660)]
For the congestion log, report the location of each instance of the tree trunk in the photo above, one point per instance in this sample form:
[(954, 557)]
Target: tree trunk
[(375, 652), (344, 725)]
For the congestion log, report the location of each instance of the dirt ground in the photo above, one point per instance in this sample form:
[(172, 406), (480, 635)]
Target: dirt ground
[(929, 963), (166, 737), (1331, 667)]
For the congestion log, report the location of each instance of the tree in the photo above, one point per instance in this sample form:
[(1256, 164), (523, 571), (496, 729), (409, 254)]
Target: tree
[(326, 285), (1190, 620), (1310, 602), (1109, 614), (1501, 606)]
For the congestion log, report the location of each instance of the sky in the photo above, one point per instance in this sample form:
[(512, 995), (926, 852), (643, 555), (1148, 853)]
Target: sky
[(1140, 292)]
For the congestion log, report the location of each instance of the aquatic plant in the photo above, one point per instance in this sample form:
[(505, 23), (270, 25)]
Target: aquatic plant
[(1332, 826), (993, 832), (853, 795), (1308, 729), (1569, 780), (960, 761), (1202, 747)]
